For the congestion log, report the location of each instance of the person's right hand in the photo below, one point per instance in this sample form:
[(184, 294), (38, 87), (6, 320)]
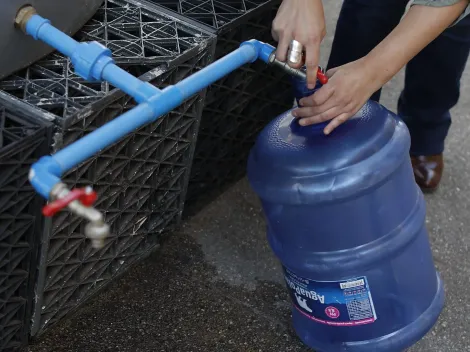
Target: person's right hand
[(303, 21)]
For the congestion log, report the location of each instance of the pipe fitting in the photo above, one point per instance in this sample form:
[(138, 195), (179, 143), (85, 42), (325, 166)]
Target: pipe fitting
[(262, 50), (96, 229), (23, 16), (90, 59), (97, 233), (286, 68), (44, 175)]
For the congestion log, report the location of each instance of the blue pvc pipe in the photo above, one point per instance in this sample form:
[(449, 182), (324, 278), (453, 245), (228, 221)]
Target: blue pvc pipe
[(218, 69), (44, 175), (41, 29), (136, 88), (93, 60), (146, 112)]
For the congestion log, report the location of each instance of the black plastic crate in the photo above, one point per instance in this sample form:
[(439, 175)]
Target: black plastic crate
[(141, 180), (237, 107), (216, 14), (22, 141), (136, 33), (141, 183)]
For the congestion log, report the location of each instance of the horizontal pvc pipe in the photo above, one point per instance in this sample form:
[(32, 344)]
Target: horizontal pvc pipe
[(218, 69)]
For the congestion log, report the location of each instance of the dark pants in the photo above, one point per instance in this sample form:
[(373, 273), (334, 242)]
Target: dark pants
[(432, 81)]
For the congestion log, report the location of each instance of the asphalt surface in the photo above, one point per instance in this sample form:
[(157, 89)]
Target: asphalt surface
[(216, 286)]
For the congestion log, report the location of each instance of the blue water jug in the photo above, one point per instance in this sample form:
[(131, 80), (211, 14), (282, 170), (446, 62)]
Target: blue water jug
[(347, 221)]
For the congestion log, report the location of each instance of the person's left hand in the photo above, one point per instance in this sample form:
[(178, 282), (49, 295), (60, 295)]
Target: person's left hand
[(348, 89)]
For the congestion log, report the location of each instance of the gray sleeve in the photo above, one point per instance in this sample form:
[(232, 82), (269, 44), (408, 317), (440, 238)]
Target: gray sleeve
[(441, 3)]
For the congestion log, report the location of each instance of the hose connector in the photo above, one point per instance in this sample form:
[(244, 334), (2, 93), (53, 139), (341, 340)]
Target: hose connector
[(294, 72)]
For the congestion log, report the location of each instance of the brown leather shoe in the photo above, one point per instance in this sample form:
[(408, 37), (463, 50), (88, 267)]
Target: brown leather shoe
[(428, 171)]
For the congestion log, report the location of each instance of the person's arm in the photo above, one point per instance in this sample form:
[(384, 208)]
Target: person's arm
[(441, 3), (418, 28), (351, 85)]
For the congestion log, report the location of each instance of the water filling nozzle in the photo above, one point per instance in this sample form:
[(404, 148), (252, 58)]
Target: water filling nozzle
[(297, 73)]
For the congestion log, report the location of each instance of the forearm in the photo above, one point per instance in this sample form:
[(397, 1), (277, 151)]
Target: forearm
[(420, 26)]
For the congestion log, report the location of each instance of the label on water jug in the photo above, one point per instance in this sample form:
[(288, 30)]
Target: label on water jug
[(337, 303)]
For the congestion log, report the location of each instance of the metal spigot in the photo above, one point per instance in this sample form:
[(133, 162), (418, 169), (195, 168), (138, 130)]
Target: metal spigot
[(79, 202), (294, 71)]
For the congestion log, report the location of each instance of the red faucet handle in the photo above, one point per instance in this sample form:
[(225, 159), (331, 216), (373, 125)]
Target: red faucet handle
[(322, 77), (86, 196)]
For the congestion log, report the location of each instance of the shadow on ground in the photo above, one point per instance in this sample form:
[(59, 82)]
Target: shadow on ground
[(214, 286)]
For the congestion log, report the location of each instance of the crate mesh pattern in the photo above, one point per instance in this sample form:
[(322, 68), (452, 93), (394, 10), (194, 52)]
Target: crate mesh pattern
[(142, 179), (137, 35), (213, 13), (237, 107), (21, 143)]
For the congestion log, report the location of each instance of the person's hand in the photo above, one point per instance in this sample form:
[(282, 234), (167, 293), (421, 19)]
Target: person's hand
[(303, 21), (348, 89), (352, 84)]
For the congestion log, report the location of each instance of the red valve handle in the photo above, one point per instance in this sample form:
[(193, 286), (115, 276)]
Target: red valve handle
[(85, 195), (322, 77)]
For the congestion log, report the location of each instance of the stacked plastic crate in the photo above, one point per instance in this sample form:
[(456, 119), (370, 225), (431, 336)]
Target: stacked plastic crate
[(23, 139), (141, 180), (238, 106)]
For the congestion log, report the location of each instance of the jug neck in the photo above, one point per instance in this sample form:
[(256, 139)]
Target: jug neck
[(300, 89)]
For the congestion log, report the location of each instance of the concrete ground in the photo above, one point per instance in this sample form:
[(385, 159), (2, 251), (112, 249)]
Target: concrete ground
[(215, 285)]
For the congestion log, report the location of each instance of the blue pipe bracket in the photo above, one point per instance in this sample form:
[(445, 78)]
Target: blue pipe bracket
[(93, 61)]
